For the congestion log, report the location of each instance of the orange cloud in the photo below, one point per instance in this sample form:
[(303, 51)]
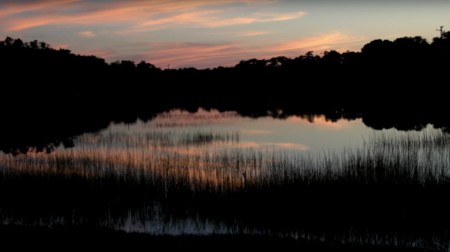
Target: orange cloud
[(209, 18), (102, 53), (253, 33), (194, 54), (135, 14), (144, 16), (319, 43), (193, 17), (60, 46), (257, 18), (228, 54), (87, 34), (9, 9)]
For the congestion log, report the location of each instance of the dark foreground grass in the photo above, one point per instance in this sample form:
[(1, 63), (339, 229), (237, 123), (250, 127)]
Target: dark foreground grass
[(390, 193), (62, 238)]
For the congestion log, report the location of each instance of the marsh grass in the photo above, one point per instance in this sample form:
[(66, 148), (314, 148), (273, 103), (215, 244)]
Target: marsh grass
[(392, 190)]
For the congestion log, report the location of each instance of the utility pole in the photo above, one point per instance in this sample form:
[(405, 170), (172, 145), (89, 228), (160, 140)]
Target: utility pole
[(441, 30)]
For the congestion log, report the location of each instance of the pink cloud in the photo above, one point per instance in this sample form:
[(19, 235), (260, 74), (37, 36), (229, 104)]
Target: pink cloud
[(137, 15), (14, 8), (229, 54), (256, 18), (87, 34), (318, 43), (104, 53), (141, 17), (252, 33), (209, 18), (60, 46), (193, 54)]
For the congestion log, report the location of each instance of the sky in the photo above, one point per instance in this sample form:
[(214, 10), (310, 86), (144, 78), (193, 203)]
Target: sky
[(211, 33)]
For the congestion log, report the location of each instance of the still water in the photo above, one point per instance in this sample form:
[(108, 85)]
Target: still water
[(309, 135), (202, 140), (161, 176)]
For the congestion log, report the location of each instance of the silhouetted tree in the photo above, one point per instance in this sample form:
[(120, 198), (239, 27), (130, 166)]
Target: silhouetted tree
[(277, 62), (92, 89), (351, 59), (332, 58), (252, 64), (378, 52), (145, 66), (17, 43), (33, 44), (441, 47), (8, 41)]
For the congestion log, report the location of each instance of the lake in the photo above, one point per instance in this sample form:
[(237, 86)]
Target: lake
[(193, 130), (211, 172)]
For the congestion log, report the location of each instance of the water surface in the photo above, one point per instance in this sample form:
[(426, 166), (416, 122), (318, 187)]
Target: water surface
[(312, 134), (212, 172)]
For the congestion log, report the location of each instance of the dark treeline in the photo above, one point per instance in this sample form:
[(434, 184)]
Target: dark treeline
[(388, 83)]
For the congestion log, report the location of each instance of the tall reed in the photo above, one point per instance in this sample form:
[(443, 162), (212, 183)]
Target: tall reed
[(394, 183)]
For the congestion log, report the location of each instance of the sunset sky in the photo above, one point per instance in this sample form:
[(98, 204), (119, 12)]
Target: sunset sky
[(209, 33)]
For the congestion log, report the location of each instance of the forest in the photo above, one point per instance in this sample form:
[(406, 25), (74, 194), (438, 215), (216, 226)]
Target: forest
[(122, 176), (388, 83)]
